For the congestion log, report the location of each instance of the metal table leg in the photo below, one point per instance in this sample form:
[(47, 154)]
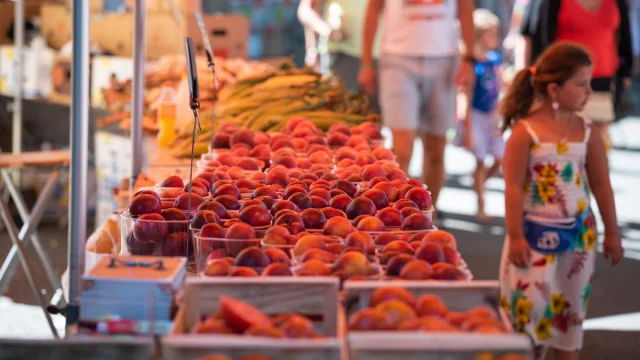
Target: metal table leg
[(31, 222), (13, 234)]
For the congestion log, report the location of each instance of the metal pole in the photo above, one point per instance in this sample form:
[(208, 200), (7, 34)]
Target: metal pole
[(18, 30), (79, 155), (137, 101)]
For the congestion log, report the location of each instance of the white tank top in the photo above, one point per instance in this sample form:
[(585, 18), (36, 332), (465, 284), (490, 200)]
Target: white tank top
[(420, 28)]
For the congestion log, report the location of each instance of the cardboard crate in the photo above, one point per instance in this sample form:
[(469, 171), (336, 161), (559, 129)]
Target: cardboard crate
[(275, 295), (458, 296)]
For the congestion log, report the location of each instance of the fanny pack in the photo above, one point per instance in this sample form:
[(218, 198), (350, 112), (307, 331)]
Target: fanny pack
[(550, 236)]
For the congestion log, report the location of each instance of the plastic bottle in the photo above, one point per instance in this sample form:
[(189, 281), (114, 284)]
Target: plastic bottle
[(167, 117)]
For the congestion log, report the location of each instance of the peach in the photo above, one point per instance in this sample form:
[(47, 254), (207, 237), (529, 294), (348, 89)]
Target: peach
[(318, 202), (267, 201), (392, 293), (277, 255), (256, 215), (472, 323), (397, 174), (357, 139), (291, 221), (352, 263), (385, 238), (339, 128), (277, 177), (403, 203), (346, 186), (370, 223), (456, 318), (294, 189), (390, 217), (372, 133), (243, 271), (277, 269), (172, 181), (370, 320), (261, 151), (337, 139), (403, 190), (445, 271), (346, 153), (364, 158), (241, 152), (150, 227), (269, 332), (397, 310), (318, 254), (242, 136), (309, 176), (330, 212), (227, 159), (429, 304), (166, 194), (320, 157), (284, 204), (240, 316), (313, 267), (252, 257), (309, 242), (416, 270), (397, 263), (344, 163), (335, 248), (431, 253), (482, 311), (252, 202), (360, 206), (378, 197), (381, 153), (212, 230), (436, 324), (177, 219), (218, 267), (397, 246), (420, 196), (340, 202), (360, 240), (398, 183), (388, 189), (241, 231), (313, 218), (211, 326), (355, 178), (301, 200), (297, 326), (324, 175), (258, 176), (408, 211), (227, 189), (147, 204), (442, 238), (451, 256), (372, 171), (338, 226), (417, 222), (287, 161)]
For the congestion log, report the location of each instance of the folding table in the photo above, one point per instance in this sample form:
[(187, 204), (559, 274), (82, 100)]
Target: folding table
[(58, 160)]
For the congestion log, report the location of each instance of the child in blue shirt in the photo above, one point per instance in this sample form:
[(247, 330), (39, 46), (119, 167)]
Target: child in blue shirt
[(479, 132)]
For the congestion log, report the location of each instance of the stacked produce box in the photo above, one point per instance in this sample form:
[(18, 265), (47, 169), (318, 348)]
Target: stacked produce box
[(282, 221)]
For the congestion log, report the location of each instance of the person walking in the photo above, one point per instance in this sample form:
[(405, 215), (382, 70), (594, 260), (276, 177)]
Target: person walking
[(478, 131), (341, 22), (602, 26), (418, 73), (553, 161)]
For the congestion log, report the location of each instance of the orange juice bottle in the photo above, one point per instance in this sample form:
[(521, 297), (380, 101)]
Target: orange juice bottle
[(167, 117)]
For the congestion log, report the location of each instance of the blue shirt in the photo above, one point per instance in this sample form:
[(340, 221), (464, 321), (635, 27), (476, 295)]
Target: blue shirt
[(485, 92)]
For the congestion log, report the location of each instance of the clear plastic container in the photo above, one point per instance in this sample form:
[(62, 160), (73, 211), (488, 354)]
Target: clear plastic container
[(218, 248), (155, 237)]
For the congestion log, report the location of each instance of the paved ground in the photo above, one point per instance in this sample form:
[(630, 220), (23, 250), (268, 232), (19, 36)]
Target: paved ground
[(614, 314)]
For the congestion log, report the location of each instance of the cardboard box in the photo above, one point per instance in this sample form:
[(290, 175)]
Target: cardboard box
[(164, 36), (55, 25), (37, 67), (103, 70)]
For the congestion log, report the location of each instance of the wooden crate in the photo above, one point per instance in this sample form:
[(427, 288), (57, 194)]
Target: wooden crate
[(105, 348), (306, 296), (458, 296)]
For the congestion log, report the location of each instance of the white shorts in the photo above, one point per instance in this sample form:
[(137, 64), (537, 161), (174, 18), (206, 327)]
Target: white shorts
[(487, 139), (418, 93)]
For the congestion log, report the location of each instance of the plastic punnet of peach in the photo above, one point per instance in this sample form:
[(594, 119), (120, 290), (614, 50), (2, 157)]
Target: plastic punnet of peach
[(211, 248)]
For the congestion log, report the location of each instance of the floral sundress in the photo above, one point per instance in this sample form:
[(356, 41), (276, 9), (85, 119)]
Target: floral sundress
[(549, 299)]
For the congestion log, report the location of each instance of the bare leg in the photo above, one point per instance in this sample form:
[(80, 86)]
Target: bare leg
[(433, 167), (479, 178), (403, 147), (493, 170), (566, 355)]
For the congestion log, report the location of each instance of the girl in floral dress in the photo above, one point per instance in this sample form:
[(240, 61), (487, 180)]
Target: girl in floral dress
[(553, 161)]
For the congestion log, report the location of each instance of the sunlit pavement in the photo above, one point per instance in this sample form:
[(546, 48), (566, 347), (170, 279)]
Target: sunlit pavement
[(613, 327)]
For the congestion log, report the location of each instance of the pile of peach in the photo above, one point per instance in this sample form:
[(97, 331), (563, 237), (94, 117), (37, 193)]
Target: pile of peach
[(237, 317), (395, 308)]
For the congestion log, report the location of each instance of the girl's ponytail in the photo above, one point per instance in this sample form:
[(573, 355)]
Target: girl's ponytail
[(556, 65), (519, 98)]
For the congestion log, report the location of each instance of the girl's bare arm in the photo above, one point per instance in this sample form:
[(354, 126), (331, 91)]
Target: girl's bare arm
[(514, 167), (598, 173)]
